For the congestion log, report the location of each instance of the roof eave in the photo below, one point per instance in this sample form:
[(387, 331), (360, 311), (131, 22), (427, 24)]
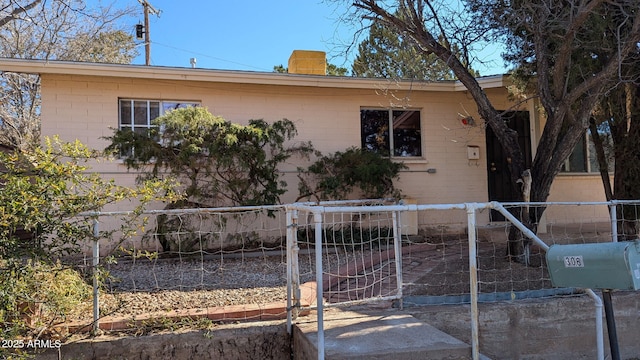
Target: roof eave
[(230, 76)]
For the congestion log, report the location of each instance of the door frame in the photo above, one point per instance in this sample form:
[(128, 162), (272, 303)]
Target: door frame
[(499, 184)]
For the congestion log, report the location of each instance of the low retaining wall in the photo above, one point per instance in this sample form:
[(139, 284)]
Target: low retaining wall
[(558, 328), (260, 340)]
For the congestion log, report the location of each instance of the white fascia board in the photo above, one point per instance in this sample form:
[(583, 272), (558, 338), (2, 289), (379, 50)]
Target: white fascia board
[(230, 76)]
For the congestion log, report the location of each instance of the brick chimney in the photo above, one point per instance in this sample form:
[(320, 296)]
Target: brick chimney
[(308, 62)]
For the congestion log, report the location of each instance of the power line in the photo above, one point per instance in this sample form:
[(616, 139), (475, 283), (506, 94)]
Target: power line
[(210, 57)]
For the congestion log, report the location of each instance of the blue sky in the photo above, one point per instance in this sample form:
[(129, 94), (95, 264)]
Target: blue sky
[(250, 35)]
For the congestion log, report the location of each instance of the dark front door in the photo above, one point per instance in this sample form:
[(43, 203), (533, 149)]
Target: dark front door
[(501, 188)]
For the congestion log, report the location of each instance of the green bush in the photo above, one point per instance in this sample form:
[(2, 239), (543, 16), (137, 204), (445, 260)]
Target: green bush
[(339, 175), (45, 194), (57, 292), (34, 297), (44, 191), (219, 163)]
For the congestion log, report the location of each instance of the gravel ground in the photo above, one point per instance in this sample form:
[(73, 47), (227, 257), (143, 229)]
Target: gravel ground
[(143, 286), (137, 303), (197, 274)]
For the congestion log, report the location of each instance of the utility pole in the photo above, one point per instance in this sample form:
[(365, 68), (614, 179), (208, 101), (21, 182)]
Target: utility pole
[(147, 37)]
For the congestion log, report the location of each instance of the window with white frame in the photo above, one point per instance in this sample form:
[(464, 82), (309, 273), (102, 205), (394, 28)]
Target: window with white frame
[(138, 115), (584, 159), (391, 132)]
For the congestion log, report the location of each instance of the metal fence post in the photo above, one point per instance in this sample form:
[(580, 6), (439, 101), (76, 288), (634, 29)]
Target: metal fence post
[(397, 248), (289, 226), (473, 280), (614, 222), (599, 326), (94, 262), (295, 267), (317, 219)]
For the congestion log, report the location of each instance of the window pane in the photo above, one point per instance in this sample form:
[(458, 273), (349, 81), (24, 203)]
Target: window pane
[(374, 125), (125, 113), (169, 105), (593, 156), (577, 158), (585, 153), (154, 110), (406, 133), (140, 113)]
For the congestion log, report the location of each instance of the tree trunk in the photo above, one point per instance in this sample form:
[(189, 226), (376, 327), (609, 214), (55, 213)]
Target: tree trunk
[(518, 248), (603, 164)]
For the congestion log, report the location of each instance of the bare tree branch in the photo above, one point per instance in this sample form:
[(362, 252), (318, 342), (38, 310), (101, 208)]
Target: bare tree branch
[(54, 29), (18, 10)]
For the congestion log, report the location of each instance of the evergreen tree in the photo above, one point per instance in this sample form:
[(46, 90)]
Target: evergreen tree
[(332, 70), (385, 54)]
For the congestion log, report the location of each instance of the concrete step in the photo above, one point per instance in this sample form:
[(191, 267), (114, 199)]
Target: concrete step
[(381, 335)]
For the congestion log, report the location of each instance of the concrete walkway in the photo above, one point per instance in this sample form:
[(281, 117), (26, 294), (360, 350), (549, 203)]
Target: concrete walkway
[(375, 335), (377, 331)]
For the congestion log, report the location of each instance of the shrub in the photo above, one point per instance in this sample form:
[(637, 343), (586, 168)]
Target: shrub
[(336, 176), (45, 194), (56, 292), (218, 162)]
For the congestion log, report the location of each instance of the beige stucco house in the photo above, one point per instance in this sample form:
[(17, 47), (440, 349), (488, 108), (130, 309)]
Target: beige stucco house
[(450, 156)]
